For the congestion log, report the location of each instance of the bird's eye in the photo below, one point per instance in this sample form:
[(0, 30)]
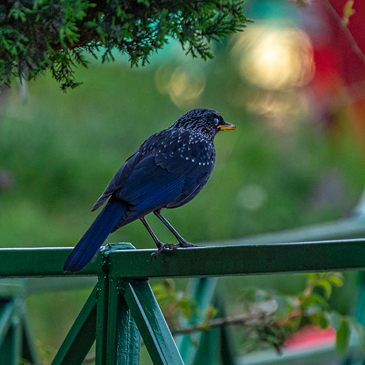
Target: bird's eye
[(216, 121)]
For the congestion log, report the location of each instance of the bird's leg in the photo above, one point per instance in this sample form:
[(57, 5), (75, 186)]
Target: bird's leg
[(182, 241), (160, 246)]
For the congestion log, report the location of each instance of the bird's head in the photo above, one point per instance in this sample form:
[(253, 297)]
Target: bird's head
[(205, 121)]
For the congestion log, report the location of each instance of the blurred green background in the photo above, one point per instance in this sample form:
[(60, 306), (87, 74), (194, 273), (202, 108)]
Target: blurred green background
[(280, 169)]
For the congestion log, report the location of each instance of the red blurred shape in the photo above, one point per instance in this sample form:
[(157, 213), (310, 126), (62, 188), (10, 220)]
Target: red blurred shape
[(310, 337)]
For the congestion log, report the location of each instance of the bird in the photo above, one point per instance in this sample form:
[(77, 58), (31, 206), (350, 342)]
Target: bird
[(167, 171)]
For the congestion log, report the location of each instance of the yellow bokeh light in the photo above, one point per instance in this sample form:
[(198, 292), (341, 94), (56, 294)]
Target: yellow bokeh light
[(183, 87), (275, 58)]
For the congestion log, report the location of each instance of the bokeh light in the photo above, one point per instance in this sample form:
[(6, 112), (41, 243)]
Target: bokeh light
[(252, 197), (183, 85), (274, 58)]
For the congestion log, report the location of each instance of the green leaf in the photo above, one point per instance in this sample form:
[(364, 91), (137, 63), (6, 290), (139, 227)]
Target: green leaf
[(319, 320), (311, 276), (313, 309), (335, 280), (145, 2), (343, 337), (326, 286), (323, 322), (334, 319), (314, 299)]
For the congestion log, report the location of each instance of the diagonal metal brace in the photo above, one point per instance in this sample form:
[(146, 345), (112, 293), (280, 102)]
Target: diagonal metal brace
[(151, 324), (81, 336)]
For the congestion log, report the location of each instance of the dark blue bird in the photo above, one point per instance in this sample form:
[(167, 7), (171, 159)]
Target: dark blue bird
[(167, 171)]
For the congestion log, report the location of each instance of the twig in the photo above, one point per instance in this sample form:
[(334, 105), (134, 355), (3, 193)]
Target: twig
[(344, 28), (252, 319)]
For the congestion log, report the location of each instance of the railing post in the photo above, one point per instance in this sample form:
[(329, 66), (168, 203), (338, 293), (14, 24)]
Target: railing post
[(135, 298), (101, 319), (151, 323), (123, 338), (117, 336), (202, 290), (15, 342)]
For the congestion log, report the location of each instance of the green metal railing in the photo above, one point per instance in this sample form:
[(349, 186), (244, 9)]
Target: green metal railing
[(122, 307), (120, 262)]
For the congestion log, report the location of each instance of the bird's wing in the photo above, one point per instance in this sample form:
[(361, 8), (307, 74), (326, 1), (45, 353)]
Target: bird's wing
[(150, 187), (166, 168), (153, 184), (147, 177), (118, 179)]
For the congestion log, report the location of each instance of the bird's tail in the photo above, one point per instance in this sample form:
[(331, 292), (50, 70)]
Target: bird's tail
[(95, 236)]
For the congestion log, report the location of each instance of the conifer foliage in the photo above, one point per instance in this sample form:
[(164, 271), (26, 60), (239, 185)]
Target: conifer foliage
[(55, 35)]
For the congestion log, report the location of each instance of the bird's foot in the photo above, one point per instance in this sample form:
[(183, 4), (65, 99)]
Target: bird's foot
[(171, 246), (164, 246), (186, 244)]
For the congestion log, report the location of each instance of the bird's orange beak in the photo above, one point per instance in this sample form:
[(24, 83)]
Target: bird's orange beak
[(226, 126)]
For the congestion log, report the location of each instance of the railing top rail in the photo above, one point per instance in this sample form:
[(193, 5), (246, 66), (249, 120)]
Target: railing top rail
[(241, 259), (38, 262)]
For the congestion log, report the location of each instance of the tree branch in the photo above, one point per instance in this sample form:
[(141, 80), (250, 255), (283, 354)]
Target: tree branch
[(252, 319), (344, 28), (50, 36)]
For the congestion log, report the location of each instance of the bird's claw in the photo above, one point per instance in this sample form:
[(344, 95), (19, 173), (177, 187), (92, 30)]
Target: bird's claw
[(164, 246), (186, 244), (171, 246)]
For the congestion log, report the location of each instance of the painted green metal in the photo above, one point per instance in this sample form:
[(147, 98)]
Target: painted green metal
[(122, 299), (7, 348), (359, 312), (151, 323), (112, 322), (10, 332), (47, 261), (7, 309), (225, 336), (118, 266), (123, 338), (81, 336), (40, 262), (7, 332), (214, 345), (15, 342), (226, 345), (197, 262), (241, 260), (360, 306), (203, 291), (101, 319), (346, 228), (128, 337), (117, 337), (17, 336), (208, 351)]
